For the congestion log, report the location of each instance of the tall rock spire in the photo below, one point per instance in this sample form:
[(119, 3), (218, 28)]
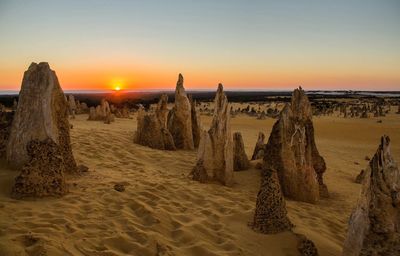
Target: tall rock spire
[(215, 154), (291, 150), (179, 118), (374, 226)]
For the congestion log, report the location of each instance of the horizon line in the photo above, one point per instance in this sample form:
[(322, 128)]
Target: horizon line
[(99, 91)]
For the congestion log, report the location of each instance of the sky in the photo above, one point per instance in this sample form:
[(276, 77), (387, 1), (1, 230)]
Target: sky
[(262, 45)]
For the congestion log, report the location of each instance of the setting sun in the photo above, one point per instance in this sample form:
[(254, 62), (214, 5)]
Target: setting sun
[(117, 88)]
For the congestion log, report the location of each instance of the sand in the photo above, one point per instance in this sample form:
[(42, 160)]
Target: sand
[(163, 212)]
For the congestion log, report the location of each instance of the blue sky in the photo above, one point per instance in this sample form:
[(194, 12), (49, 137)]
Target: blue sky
[(350, 44)]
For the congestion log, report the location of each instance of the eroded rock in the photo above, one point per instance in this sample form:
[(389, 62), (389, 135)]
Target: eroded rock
[(374, 226), (179, 118), (196, 124), (42, 114), (72, 105), (101, 113), (152, 127), (240, 159), (291, 150), (270, 216), (259, 149), (215, 153), (43, 174), (305, 246)]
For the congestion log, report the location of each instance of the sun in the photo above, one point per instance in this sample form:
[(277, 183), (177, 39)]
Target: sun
[(117, 87)]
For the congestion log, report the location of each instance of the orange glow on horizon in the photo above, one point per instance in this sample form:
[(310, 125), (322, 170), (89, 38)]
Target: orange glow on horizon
[(122, 78)]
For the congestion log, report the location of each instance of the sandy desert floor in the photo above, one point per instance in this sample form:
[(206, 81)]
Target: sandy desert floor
[(163, 212)]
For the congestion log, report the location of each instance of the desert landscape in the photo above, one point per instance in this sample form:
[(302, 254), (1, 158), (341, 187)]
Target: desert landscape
[(199, 128), (124, 198)]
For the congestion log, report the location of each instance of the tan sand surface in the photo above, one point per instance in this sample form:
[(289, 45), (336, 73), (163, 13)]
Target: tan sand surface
[(162, 211)]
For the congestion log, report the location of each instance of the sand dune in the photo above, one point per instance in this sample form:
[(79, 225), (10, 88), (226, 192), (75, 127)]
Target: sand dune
[(163, 212)]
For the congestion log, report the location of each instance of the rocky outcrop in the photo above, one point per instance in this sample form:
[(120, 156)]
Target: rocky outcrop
[(152, 127), (270, 216), (179, 118), (101, 113), (291, 150), (240, 160), (215, 153), (81, 107), (259, 149), (196, 125), (6, 119), (374, 226), (43, 174), (42, 114)]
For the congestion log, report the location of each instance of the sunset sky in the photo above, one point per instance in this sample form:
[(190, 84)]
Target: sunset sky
[(346, 44)]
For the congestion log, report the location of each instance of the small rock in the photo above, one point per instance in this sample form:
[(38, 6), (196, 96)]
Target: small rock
[(30, 240), (356, 163), (305, 246), (367, 158), (379, 121), (119, 187)]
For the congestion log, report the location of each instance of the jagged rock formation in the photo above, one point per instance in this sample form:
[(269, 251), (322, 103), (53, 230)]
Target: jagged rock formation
[(6, 119), (42, 114), (101, 113), (259, 149), (215, 153), (291, 150), (196, 125), (43, 174), (374, 226), (179, 118), (270, 216), (81, 107), (152, 127), (240, 160)]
